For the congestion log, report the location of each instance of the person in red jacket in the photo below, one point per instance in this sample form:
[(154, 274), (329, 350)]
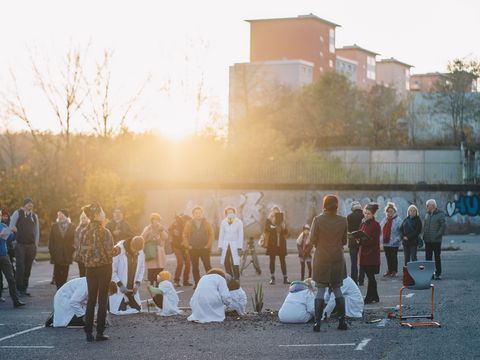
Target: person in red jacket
[(370, 251)]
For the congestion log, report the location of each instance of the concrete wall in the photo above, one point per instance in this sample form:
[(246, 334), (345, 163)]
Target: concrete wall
[(462, 210)]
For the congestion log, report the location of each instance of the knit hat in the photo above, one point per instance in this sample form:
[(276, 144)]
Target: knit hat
[(64, 212), (390, 205), (27, 200), (372, 207), (330, 203), (356, 205), (164, 275)]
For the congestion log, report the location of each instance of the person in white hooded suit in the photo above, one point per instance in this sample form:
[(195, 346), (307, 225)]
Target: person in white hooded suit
[(230, 241), (298, 306), (353, 299), (70, 303), (128, 269), (210, 298)]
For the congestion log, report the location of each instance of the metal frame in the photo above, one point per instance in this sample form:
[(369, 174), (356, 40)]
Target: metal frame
[(412, 324)]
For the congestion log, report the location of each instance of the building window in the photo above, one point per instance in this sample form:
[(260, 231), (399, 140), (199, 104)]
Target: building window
[(332, 41), (321, 69), (321, 38), (330, 62), (321, 54)]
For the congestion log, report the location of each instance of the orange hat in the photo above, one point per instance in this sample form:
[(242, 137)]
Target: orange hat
[(165, 275)]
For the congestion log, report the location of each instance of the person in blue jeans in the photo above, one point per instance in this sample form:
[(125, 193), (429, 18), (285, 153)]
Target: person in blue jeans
[(411, 229), (354, 220)]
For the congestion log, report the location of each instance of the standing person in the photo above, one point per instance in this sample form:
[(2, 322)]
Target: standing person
[(230, 242), (354, 220), (329, 236), (391, 236), (10, 243), (305, 251), (119, 228), (127, 272), (61, 247), (198, 239), (24, 222), (433, 230), (6, 267), (175, 231), (82, 226), (411, 229), (370, 251), (276, 229), (155, 237), (96, 250)]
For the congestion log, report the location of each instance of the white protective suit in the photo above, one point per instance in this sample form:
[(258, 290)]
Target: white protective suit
[(238, 301), (353, 299), (120, 273), (71, 299), (231, 235), (298, 307), (170, 299), (209, 299)]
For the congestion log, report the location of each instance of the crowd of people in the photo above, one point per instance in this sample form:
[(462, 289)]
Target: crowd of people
[(113, 261)]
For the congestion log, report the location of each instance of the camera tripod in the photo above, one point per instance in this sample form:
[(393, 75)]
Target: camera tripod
[(250, 251)]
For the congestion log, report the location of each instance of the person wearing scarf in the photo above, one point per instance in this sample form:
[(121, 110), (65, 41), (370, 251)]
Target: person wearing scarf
[(391, 238), (411, 229), (61, 247)]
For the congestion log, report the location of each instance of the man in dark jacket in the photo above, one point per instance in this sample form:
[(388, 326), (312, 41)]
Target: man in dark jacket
[(61, 247), (24, 222), (354, 220), (329, 235), (119, 228), (433, 230)]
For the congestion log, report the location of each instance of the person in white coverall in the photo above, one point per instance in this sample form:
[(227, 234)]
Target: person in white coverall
[(230, 242), (165, 296), (298, 306), (210, 298), (69, 304), (353, 299)]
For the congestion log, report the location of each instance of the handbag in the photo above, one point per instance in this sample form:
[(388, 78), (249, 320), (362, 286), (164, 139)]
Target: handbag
[(150, 250), (263, 241), (420, 242)]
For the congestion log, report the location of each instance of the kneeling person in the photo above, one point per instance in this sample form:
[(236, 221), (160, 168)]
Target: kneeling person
[(298, 306), (165, 296), (69, 304), (353, 300), (238, 298), (127, 272)]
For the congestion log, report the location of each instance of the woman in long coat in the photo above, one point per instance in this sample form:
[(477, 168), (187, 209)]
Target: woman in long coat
[(329, 236), (277, 232)]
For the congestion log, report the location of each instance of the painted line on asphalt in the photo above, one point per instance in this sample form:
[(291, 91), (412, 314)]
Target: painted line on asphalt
[(43, 281), (362, 344), (22, 332), (311, 345), (26, 347)]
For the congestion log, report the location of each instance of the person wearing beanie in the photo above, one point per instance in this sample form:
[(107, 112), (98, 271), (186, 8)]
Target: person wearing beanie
[(369, 253), (354, 220), (128, 269), (329, 236), (305, 251), (96, 251), (24, 223), (391, 237), (165, 296), (61, 247)]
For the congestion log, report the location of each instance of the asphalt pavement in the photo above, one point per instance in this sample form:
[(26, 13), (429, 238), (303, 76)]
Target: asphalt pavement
[(262, 336)]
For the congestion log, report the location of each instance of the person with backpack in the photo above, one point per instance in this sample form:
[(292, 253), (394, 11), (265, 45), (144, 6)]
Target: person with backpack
[(24, 222)]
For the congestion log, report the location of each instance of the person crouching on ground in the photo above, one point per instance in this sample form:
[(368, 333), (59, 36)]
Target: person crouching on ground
[(298, 306), (127, 272), (353, 300), (305, 251), (329, 236), (70, 304), (96, 250), (165, 296), (238, 297), (210, 298)]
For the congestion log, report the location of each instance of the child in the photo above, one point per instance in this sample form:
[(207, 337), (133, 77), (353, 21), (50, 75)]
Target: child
[(165, 296), (305, 251), (238, 297)]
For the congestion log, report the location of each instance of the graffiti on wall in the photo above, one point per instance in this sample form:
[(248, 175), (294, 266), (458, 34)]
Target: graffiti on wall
[(468, 205)]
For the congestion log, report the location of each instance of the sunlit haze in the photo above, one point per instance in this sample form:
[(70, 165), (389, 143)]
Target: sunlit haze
[(185, 46)]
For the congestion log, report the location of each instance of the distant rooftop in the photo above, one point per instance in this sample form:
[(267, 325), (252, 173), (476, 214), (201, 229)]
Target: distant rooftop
[(359, 48), (299, 17), (393, 60), (430, 74)]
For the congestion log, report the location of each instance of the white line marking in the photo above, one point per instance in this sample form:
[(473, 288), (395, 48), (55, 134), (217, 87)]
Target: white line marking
[(43, 281), (26, 347), (361, 345), (22, 332), (307, 345)]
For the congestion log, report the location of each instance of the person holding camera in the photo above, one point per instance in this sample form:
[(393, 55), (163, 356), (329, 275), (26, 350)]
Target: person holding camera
[(277, 232), (230, 242), (155, 237)]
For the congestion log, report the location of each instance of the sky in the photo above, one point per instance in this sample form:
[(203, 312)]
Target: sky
[(183, 46)]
